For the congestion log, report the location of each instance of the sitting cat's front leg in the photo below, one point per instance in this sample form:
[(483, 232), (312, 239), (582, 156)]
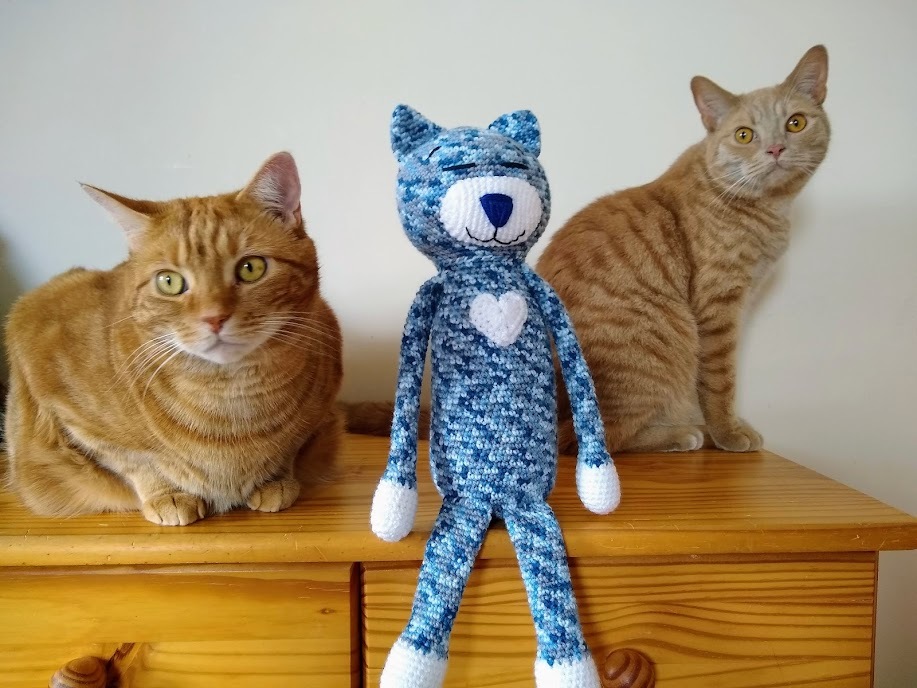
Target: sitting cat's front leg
[(718, 322)]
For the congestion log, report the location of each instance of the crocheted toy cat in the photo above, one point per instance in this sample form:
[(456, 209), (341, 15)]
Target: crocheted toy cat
[(475, 201)]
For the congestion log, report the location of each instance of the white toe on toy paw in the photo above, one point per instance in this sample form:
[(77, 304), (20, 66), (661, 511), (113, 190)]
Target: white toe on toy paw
[(598, 487), (410, 668), (577, 673), (394, 508)]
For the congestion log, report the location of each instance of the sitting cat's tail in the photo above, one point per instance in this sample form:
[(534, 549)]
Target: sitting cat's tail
[(375, 418)]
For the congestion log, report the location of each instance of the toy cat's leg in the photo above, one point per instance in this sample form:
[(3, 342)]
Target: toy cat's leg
[(418, 658), (563, 659)]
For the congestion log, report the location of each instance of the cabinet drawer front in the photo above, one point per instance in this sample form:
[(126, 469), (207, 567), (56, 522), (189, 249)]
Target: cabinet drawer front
[(181, 626), (727, 623)]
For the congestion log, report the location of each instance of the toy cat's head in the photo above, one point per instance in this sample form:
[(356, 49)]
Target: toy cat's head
[(468, 191)]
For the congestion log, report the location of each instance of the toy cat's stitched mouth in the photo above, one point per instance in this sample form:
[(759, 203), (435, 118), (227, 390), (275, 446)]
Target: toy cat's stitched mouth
[(494, 238)]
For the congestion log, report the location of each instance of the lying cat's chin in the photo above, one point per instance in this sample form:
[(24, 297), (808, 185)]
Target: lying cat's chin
[(223, 349)]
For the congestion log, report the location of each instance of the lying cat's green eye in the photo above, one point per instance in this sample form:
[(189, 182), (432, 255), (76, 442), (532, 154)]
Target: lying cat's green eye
[(251, 269), (744, 135), (170, 283)]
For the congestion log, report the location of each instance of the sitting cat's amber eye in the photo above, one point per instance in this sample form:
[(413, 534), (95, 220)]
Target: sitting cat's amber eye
[(251, 269), (170, 283), (796, 123), (744, 135)]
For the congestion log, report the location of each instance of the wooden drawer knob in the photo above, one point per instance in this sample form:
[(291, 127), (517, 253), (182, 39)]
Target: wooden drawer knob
[(85, 672), (626, 668)]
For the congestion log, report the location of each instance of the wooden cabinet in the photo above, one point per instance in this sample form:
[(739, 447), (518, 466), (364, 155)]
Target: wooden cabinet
[(180, 625), (717, 571), (719, 621)]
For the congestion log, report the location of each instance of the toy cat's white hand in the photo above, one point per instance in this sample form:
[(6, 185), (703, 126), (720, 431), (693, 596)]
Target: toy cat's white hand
[(394, 508), (598, 487)]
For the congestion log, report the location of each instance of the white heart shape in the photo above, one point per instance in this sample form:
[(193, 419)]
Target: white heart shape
[(500, 320)]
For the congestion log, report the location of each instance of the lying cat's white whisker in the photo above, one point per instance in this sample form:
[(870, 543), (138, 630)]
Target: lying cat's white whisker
[(137, 354), (119, 321), (149, 382)]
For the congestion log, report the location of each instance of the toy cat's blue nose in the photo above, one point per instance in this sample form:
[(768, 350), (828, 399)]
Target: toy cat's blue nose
[(498, 207)]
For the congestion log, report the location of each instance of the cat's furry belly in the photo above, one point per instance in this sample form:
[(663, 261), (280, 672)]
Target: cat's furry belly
[(224, 478)]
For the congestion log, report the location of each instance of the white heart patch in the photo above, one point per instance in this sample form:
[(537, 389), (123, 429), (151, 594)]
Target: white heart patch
[(500, 320)]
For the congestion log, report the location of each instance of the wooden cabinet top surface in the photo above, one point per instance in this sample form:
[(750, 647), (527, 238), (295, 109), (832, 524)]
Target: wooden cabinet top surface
[(704, 502)]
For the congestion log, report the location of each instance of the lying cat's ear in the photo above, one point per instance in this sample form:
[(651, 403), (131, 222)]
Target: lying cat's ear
[(712, 102), (810, 77), (275, 187), (522, 127), (409, 130), (133, 216)]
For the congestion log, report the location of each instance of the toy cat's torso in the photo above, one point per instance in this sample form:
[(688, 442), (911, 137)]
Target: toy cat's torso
[(494, 411)]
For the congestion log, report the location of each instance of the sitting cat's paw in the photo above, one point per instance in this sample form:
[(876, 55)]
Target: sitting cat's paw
[(174, 509), (276, 495), (739, 437)]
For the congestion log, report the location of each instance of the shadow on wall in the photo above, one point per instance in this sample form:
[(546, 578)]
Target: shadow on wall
[(371, 368), (9, 292)]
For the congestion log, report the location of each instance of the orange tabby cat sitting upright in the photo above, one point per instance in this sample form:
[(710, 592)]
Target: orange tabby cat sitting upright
[(656, 277), (197, 376)]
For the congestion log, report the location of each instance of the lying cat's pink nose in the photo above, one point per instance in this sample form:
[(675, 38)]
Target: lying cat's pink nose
[(216, 322), (776, 150)]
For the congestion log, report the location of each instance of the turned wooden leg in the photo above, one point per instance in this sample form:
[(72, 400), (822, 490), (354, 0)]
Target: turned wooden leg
[(626, 668), (84, 672)]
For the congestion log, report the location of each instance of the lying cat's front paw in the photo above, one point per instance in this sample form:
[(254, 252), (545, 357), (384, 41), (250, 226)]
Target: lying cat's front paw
[(276, 495), (174, 509), (739, 437)]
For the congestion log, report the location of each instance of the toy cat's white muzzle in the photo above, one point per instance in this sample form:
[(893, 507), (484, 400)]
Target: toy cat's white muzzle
[(491, 211)]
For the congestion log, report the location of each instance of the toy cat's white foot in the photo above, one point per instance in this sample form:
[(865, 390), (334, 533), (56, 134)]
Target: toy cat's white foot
[(577, 673), (410, 668)]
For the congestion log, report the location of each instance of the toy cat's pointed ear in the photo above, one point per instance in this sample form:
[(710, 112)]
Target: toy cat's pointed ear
[(713, 102), (133, 216), (275, 187), (810, 77), (409, 130), (522, 127)]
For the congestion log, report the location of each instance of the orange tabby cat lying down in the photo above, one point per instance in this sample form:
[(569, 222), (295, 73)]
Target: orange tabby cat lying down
[(197, 376), (656, 277)]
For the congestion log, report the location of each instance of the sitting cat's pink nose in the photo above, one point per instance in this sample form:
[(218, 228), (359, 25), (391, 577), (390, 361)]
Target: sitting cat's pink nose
[(776, 150), (216, 322)]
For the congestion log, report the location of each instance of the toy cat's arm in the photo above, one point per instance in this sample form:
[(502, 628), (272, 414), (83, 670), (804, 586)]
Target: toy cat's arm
[(395, 501), (596, 477)]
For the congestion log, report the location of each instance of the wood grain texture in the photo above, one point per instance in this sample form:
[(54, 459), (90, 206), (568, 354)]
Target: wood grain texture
[(705, 502), (708, 624), (217, 625)]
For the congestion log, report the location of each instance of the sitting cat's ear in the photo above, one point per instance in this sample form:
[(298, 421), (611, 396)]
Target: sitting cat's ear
[(810, 77), (409, 130), (133, 216), (275, 187), (712, 102), (522, 127)]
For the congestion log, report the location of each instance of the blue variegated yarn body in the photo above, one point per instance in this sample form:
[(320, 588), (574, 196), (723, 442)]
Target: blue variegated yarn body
[(475, 201)]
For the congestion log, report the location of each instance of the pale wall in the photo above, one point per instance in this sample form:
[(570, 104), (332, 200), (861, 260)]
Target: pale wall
[(161, 99)]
